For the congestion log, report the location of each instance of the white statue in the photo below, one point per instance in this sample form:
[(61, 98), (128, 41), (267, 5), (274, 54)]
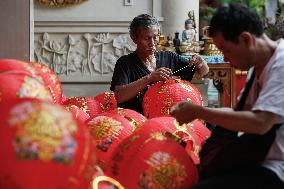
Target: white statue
[(188, 35)]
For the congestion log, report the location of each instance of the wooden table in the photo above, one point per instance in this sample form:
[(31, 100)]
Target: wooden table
[(223, 76)]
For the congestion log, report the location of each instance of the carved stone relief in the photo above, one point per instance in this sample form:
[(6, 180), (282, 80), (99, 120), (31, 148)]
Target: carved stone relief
[(81, 55)]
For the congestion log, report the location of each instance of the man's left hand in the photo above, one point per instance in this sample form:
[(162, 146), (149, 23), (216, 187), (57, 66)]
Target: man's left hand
[(184, 112)]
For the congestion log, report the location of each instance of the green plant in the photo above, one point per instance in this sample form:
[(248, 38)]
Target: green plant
[(257, 5)]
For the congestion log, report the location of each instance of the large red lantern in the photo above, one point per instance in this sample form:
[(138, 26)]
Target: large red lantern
[(36, 70), (20, 85), (13, 66), (45, 147), (161, 96), (107, 101), (107, 130), (87, 104), (153, 160), (184, 133)]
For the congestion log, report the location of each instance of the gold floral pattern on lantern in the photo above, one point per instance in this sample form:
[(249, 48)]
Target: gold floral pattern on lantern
[(163, 89), (32, 88), (104, 129), (43, 132), (108, 101), (182, 132), (164, 172), (168, 101)]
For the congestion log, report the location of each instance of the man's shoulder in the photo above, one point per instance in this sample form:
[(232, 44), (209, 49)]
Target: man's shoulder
[(125, 59)]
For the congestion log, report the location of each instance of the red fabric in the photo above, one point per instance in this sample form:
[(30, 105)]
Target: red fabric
[(161, 96), (108, 129), (107, 101), (45, 147), (153, 161)]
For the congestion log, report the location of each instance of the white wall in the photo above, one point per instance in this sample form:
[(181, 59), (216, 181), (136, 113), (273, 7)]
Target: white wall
[(98, 10), (81, 43)]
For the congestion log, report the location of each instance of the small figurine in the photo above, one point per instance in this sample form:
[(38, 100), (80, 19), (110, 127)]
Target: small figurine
[(176, 42), (188, 35)]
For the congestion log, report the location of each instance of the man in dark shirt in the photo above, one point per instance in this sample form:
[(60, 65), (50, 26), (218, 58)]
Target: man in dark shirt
[(134, 72)]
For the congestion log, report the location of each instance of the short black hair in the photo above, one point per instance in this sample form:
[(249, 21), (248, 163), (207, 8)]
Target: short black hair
[(142, 21), (233, 19)]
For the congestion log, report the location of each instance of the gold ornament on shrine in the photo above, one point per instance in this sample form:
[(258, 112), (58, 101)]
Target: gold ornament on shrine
[(59, 3), (210, 49)]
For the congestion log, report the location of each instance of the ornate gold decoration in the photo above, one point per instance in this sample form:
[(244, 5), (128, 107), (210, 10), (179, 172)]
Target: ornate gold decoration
[(110, 180), (210, 49), (58, 3), (240, 72)]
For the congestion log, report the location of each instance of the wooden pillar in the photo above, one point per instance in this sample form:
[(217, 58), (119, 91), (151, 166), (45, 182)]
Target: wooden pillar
[(15, 31)]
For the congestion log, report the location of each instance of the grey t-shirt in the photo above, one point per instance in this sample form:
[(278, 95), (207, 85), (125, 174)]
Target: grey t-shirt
[(267, 94)]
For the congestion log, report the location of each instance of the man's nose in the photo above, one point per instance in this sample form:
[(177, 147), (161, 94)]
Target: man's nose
[(152, 42)]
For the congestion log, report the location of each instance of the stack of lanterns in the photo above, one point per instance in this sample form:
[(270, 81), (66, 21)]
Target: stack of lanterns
[(63, 139)]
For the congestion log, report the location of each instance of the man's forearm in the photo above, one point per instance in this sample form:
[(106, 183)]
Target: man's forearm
[(126, 92)]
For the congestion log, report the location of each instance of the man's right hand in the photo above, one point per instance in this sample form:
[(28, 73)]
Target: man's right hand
[(160, 74)]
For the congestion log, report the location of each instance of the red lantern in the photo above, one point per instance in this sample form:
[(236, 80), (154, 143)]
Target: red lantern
[(45, 147), (50, 79), (108, 129), (135, 119), (87, 104), (200, 130), (36, 70), (153, 160), (77, 112), (14, 66), (161, 96), (185, 133), (21, 84), (107, 101)]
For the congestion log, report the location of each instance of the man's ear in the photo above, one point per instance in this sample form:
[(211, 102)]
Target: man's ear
[(247, 39), (133, 37)]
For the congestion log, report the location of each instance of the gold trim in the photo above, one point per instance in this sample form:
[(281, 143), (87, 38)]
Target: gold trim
[(103, 178), (58, 3), (240, 73)]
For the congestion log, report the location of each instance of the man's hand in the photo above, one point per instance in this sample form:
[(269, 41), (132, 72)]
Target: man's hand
[(160, 74), (200, 64), (185, 112)]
